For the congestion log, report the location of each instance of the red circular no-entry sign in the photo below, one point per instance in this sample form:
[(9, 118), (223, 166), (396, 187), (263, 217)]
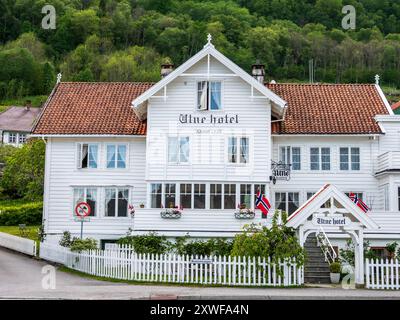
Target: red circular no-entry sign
[(82, 209)]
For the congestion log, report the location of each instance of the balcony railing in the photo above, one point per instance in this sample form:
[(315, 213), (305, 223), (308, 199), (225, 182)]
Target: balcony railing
[(280, 171), (387, 161)]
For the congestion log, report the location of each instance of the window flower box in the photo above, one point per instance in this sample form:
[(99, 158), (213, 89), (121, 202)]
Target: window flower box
[(245, 214), (171, 213)]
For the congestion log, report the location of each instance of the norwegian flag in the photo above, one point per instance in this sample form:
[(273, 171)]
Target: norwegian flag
[(353, 197), (262, 203)]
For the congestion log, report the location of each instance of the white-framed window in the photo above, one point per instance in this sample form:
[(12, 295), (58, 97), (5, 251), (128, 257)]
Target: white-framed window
[(238, 150), (155, 195), (287, 201), (199, 197), (215, 196), (229, 196), (360, 195), (178, 149), (209, 95), (12, 137), (245, 195), (170, 195), (290, 155), (21, 138), (88, 195), (320, 158), (116, 202), (186, 195), (116, 156), (88, 154), (349, 158)]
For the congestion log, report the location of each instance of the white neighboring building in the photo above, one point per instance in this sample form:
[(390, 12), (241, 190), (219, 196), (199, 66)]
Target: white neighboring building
[(205, 138), (16, 123)]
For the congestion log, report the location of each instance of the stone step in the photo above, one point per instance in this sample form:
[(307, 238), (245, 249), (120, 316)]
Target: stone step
[(316, 273), (315, 280), (316, 269)]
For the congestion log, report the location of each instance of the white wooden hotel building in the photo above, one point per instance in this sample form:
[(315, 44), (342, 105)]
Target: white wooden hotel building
[(205, 138)]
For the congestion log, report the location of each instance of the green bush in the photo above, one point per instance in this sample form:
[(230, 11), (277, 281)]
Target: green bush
[(149, 243), (21, 213), (335, 267), (79, 245), (66, 240), (210, 247)]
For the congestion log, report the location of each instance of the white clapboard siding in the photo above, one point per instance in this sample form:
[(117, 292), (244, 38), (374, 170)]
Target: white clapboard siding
[(19, 244), (382, 274), (63, 175), (125, 264)]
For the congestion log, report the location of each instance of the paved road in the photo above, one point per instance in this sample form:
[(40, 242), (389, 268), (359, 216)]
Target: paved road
[(21, 277)]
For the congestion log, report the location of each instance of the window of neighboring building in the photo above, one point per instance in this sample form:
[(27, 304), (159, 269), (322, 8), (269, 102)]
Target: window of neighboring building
[(116, 202), (178, 149), (170, 195), (199, 197), (88, 195), (186, 195), (350, 159), (21, 138), (87, 155), (291, 155), (245, 195), (155, 195), (209, 95), (320, 158), (230, 196), (116, 156), (12, 137), (241, 154), (287, 201), (215, 196)]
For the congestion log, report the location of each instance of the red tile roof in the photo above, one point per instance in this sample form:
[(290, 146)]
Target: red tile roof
[(396, 105), (92, 108), (329, 108)]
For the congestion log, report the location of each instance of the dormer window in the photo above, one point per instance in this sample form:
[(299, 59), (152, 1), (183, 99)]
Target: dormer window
[(209, 95)]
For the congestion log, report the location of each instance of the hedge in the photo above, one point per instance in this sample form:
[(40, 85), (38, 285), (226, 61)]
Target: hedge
[(26, 213)]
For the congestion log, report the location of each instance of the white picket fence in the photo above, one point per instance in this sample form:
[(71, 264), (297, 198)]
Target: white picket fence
[(128, 265), (19, 244), (382, 274)]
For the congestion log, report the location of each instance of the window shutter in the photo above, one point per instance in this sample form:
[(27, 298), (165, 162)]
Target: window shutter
[(79, 156)]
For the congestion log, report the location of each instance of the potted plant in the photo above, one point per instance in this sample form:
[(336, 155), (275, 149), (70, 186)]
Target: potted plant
[(142, 205), (335, 268)]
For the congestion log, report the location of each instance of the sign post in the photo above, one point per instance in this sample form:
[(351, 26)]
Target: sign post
[(82, 210)]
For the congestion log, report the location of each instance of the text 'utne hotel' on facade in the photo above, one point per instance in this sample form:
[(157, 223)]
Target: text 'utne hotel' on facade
[(205, 139)]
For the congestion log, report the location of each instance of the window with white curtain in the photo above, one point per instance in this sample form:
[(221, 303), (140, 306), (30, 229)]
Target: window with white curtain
[(178, 149), (209, 95), (238, 154), (87, 155), (88, 195), (116, 202), (116, 156)]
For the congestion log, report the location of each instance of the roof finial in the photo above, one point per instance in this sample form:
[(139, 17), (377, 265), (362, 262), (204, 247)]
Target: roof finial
[(59, 76), (377, 78), (209, 38)]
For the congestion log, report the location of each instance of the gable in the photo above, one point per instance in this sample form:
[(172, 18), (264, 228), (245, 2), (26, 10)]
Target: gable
[(343, 205)]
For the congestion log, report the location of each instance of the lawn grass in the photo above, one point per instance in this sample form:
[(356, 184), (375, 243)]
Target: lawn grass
[(32, 231)]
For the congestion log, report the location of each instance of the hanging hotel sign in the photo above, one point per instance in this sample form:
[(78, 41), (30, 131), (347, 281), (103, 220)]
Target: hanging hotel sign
[(332, 220), (186, 118)]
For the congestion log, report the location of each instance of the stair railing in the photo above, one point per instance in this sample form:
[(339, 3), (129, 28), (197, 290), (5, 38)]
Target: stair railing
[(326, 246)]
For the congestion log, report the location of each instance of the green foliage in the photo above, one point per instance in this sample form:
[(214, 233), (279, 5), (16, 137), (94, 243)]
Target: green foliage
[(15, 213), (335, 267), (79, 245), (347, 254), (278, 242), (24, 171), (210, 247), (149, 243), (66, 239), (391, 247)]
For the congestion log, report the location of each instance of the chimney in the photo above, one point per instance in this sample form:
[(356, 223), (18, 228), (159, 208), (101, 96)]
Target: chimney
[(166, 69), (28, 105), (258, 72)]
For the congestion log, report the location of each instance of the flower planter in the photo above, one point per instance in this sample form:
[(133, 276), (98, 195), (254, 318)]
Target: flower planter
[(245, 214), (170, 214), (335, 277)]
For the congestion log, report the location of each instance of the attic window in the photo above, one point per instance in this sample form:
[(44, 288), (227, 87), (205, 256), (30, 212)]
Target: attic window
[(209, 95)]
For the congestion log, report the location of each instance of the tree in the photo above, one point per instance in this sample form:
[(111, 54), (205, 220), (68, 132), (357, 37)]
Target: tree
[(23, 174)]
